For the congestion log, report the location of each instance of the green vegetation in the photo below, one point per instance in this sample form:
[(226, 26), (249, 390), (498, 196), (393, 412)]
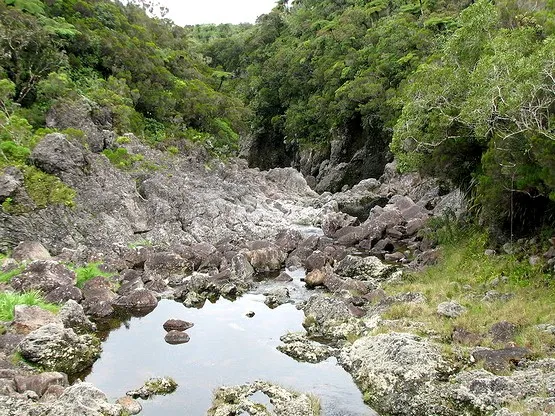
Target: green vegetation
[(89, 272), (5, 277), (463, 90), (8, 301), (464, 274)]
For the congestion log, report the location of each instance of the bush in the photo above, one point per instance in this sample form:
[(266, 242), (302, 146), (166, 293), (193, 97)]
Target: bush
[(88, 272)]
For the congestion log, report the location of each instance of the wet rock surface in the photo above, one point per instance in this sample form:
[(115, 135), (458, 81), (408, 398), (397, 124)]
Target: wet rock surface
[(235, 400)]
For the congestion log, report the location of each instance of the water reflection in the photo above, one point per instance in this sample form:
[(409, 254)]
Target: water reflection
[(226, 348)]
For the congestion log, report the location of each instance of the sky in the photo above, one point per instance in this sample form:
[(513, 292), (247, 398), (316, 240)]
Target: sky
[(189, 12)]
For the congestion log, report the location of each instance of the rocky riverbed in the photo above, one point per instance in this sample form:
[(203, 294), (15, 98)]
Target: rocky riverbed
[(192, 230)]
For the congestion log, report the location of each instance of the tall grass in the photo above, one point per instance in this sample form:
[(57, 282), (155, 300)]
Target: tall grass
[(89, 272), (8, 302)]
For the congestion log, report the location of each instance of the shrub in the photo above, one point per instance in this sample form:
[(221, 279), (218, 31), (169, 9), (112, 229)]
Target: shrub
[(8, 302), (89, 272)]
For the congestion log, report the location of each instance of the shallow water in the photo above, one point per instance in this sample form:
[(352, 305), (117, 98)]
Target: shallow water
[(226, 348)]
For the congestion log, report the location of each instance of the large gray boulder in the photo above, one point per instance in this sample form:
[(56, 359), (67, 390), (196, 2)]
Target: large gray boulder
[(55, 348), (56, 153), (30, 251), (43, 275), (398, 372), (73, 316), (364, 268), (82, 399), (29, 318)]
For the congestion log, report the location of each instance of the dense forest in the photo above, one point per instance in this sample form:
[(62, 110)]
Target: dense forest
[(459, 89)]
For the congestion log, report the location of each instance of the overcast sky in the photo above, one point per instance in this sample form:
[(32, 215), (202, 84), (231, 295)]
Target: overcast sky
[(189, 12)]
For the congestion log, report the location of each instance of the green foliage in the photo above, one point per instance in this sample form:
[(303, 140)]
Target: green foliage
[(46, 189), (88, 272), (5, 277), (8, 301), (121, 158)]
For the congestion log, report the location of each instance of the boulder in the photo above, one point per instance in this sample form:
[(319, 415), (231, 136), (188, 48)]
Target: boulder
[(73, 316), (276, 296), (154, 387), (503, 331), (177, 325), (164, 264), (315, 278), (40, 383), (239, 399), (450, 309), (334, 221), (56, 348), (129, 405), (140, 300), (364, 268), (297, 346), (82, 399), (56, 154), (30, 251), (98, 297), (28, 318), (288, 239), (174, 337), (266, 259), (398, 372), (43, 275), (241, 269), (64, 293), (11, 179), (501, 361)]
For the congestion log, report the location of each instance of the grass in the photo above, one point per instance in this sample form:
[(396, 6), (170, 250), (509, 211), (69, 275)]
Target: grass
[(8, 302), (88, 272), (464, 274), (5, 277)]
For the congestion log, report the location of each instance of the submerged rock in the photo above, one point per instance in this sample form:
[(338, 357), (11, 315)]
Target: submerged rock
[(56, 348), (276, 296), (239, 400), (299, 347), (154, 387)]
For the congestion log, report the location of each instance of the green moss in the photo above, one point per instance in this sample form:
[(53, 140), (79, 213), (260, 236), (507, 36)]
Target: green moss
[(121, 158), (46, 189), (8, 301)]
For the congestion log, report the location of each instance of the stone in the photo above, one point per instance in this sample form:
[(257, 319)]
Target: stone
[(140, 300), (64, 293), (250, 314), (450, 309), (288, 239), (234, 400), (98, 297), (297, 346), (29, 318), (266, 259), (241, 269), (177, 325), (317, 260), (503, 332), (276, 296), (11, 179), (174, 337), (82, 399), (43, 275), (334, 221), (56, 154), (364, 268), (394, 257), (39, 383), (56, 348), (10, 341), (73, 316), (495, 296), (398, 372), (501, 361), (154, 387), (162, 265), (315, 278), (30, 251), (465, 337), (130, 405), (284, 277)]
